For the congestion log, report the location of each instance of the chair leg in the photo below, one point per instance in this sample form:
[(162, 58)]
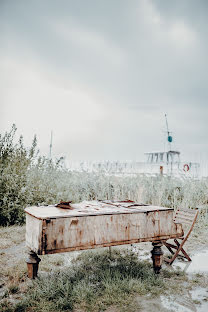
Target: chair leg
[(178, 247), (169, 247), (182, 250), (167, 260), (177, 252)]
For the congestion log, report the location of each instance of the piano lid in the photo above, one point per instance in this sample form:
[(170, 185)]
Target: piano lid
[(91, 208)]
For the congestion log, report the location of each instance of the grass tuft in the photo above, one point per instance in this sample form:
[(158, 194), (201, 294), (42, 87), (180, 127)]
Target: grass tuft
[(13, 289), (93, 282)]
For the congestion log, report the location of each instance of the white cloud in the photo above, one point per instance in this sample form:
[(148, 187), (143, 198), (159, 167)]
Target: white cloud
[(175, 32), (181, 35), (90, 40), (149, 14), (36, 104), (103, 90)]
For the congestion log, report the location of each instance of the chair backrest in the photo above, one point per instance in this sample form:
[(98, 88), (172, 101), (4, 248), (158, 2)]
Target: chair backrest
[(186, 216)]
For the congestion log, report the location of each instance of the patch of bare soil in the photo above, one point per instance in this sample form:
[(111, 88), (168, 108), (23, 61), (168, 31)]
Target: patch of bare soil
[(11, 236)]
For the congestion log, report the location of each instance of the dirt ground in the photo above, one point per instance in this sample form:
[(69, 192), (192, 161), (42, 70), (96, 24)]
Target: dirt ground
[(14, 281)]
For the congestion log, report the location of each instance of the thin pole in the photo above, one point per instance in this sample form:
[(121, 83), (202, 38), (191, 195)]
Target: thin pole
[(168, 132), (50, 149)]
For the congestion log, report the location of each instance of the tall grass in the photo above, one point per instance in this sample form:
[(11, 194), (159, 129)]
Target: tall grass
[(95, 281), (28, 179)]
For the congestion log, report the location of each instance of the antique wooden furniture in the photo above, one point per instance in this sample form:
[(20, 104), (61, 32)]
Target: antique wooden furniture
[(185, 217), (91, 224)]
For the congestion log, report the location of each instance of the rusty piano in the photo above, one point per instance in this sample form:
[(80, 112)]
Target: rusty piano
[(91, 224)]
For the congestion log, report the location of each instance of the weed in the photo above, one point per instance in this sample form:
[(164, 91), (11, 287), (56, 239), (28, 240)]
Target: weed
[(196, 301), (51, 262), (13, 289), (27, 179), (94, 281), (6, 306)]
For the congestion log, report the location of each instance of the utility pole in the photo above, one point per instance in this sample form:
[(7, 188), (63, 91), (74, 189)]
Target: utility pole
[(50, 147)]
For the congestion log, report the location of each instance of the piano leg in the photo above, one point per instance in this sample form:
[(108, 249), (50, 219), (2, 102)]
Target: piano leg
[(157, 256), (32, 264)]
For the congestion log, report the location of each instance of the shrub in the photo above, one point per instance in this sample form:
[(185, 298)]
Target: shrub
[(15, 161), (28, 179)]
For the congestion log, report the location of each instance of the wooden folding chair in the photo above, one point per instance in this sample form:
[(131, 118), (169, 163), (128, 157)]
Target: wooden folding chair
[(186, 217)]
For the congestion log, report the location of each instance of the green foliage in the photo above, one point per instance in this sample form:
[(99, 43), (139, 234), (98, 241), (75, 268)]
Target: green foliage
[(28, 179), (93, 282), (25, 178), (15, 161)]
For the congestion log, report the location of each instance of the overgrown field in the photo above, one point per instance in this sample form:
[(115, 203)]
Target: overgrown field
[(29, 179), (93, 282), (98, 280)]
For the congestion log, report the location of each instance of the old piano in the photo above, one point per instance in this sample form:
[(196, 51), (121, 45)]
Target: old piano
[(90, 224)]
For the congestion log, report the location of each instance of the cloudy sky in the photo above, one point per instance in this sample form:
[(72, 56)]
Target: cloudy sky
[(102, 74)]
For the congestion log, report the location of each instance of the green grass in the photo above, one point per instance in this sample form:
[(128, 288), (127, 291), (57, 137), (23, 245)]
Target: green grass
[(27, 179), (94, 282), (49, 262), (13, 289)]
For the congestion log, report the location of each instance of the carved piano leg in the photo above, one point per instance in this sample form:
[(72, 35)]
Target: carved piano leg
[(157, 256), (32, 264)]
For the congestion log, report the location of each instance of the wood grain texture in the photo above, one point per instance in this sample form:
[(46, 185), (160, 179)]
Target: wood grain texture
[(33, 233), (90, 208), (110, 226)]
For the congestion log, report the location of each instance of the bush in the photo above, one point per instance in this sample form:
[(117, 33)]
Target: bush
[(25, 178), (15, 161), (28, 179)]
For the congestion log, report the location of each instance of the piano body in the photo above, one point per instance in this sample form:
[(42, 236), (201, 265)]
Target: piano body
[(91, 224)]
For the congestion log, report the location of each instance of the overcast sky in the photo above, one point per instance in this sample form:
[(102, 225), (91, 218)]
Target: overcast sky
[(102, 74)]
